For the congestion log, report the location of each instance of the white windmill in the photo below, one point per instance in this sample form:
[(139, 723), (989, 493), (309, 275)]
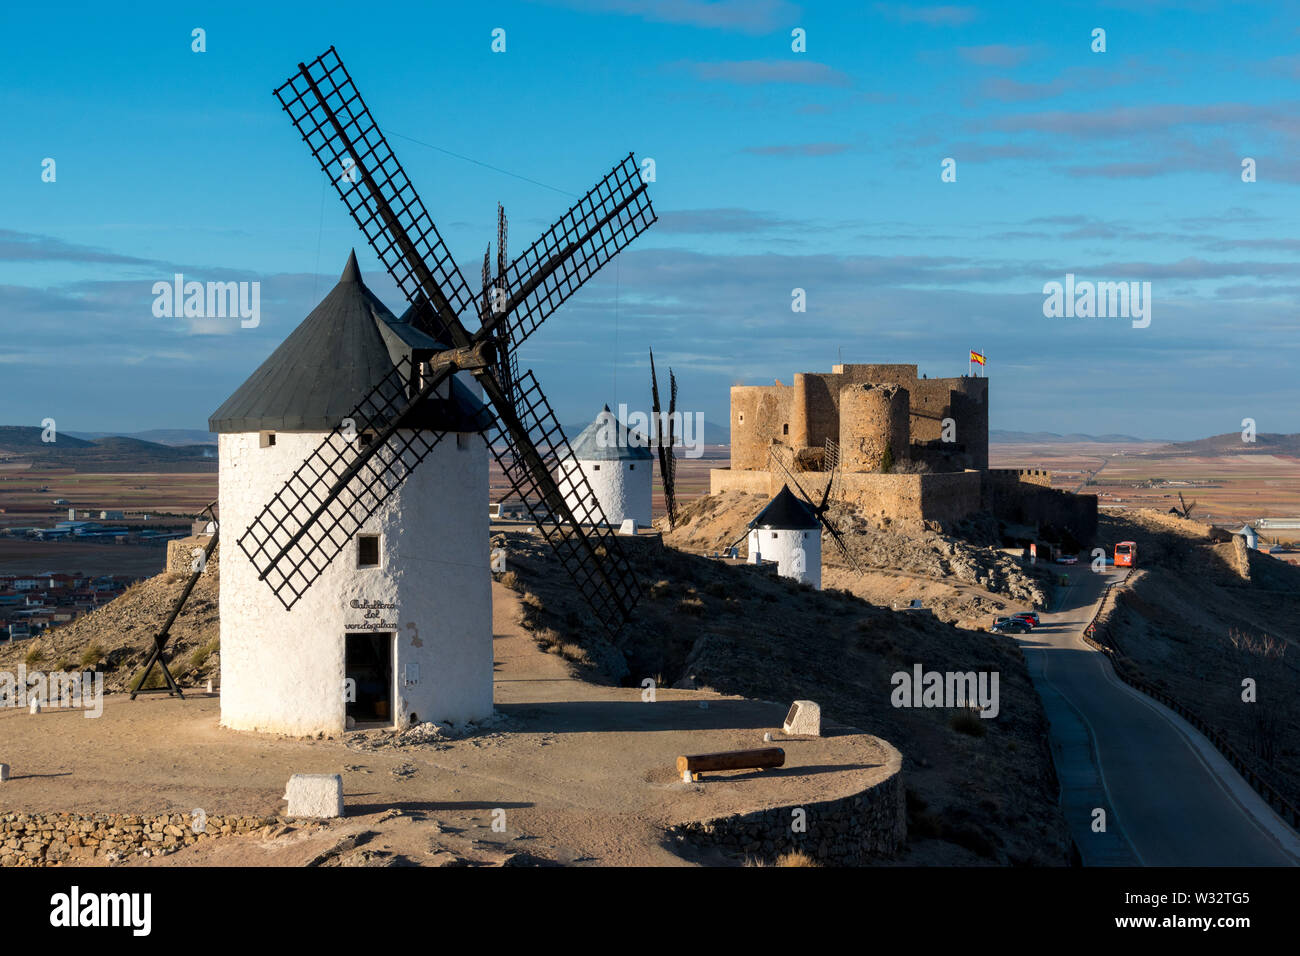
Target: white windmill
[(617, 463), (354, 461), (789, 532)]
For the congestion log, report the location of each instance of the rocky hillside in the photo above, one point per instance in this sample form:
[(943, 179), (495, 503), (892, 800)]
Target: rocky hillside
[(709, 524), (116, 638)]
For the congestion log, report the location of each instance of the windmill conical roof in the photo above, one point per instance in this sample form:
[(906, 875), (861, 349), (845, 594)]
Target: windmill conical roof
[(608, 439), (786, 512), (331, 361)]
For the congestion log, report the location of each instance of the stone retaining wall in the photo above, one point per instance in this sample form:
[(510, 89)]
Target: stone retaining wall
[(850, 831), (48, 839)]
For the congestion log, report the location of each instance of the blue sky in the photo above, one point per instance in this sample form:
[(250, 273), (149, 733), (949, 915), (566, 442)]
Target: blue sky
[(775, 170)]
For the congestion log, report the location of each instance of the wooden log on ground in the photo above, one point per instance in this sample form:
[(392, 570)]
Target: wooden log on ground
[(763, 758)]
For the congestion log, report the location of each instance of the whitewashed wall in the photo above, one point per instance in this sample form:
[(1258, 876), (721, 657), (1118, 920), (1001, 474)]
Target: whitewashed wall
[(283, 671), (798, 553), (623, 488)]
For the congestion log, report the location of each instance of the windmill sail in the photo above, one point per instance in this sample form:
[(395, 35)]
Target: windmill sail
[(312, 518)]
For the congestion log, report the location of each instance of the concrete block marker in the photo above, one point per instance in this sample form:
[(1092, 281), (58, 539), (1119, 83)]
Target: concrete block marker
[(4, 772), (803, 720), (35, 706), (209, 686), (628, 526), (315, 795)]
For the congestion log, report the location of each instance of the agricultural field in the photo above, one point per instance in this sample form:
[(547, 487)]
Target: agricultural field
[(27, 496), (1227, 489)]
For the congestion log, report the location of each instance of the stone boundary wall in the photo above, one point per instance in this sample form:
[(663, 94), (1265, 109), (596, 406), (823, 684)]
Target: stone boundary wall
[(1026, 497), (180, 554), (50, 839), (851, 831), (751, 482), (909, 498)]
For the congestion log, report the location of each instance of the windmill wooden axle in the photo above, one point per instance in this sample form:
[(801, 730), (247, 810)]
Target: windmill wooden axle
[(482, 354)]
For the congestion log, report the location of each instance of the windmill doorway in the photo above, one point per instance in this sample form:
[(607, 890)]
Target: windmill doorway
[(368, 664)]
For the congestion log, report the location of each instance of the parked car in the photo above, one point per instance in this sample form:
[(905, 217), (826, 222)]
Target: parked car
[(1010, 625), (1068, 559), (1030, 617)]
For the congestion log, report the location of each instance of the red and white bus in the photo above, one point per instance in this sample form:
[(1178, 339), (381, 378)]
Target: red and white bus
[(1125, 554)]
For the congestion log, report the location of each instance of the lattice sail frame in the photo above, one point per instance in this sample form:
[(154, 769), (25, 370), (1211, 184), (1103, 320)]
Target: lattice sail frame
[(378, 469), (369, 178), (594, 230), (609, 586)]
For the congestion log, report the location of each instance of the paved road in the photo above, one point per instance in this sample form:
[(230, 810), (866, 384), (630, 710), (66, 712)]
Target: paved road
[(1170, 798)]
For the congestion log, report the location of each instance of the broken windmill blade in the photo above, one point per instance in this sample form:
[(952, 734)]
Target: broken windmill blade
[(819, 510), (508, 371), (670, 461), (323, 505), (664, 451), (161, 639)]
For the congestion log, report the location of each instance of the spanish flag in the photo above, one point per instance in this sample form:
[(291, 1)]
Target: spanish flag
[(977, 357)]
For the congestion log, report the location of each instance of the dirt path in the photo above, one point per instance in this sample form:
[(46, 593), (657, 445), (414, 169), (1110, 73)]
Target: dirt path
[(579, 773)]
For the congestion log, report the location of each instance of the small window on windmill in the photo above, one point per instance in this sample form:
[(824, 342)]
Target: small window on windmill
[(595, 467), (462, 441), (631, 467), (266, 439), (365, 438), (742, 418), (368, 551), (774, 534), (785, 429)]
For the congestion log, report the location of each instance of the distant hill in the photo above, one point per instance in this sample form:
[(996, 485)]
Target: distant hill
[(112, 454), (160, 436), (1040, 438), (1265, 443), (20, 438)]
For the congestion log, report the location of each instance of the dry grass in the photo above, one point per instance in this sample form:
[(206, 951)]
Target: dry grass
[(92, 656), (788, 858)]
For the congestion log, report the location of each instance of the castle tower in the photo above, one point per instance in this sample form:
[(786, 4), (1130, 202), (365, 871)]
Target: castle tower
[(400, 621), (787, 531), (874, 417), (617, 463)]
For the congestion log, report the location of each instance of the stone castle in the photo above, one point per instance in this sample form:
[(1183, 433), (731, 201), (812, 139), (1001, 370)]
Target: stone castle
[(908, 448)]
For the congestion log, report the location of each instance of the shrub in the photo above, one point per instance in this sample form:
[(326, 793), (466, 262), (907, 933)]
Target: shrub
[(201, 654), (34, 656), (967, 721), (92, 656), (690, 605), (510, 580)]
